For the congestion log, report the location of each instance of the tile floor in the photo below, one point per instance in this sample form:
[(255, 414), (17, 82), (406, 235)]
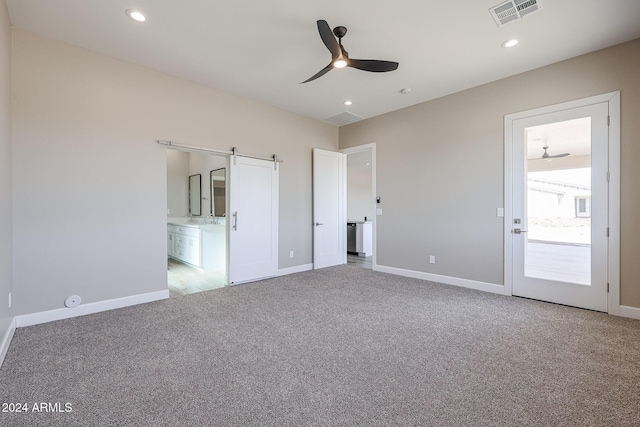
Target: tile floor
[(359, 261), (184, 279)]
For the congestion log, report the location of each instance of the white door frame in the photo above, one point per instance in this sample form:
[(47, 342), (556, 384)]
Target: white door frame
[(613, 100), (374, 192)]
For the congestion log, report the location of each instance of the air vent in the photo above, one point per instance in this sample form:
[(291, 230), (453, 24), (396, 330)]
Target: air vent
[(513, 10), (345, 118)]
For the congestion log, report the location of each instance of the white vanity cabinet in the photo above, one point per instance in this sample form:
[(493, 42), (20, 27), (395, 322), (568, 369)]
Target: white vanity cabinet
[(364, 238), (184, 244), (203, 246)]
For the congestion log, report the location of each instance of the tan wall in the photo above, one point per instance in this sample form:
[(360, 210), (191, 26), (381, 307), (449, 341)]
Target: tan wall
[(90, 194), (6, 257), (440, 167)]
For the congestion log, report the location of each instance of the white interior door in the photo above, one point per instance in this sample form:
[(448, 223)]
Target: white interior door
[(253, 232), (560, 207), (329, 208)]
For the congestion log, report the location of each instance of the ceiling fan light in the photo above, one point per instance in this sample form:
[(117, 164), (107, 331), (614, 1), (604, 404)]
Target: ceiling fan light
[(340, 63)]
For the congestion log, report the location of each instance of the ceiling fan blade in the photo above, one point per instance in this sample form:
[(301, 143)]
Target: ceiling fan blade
[(328, 38), (558, 155), (373, 65), (320, 73)]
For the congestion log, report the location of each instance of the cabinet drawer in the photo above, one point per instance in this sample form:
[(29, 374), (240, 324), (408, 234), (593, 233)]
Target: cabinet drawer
[(189, 231), (181, 241)]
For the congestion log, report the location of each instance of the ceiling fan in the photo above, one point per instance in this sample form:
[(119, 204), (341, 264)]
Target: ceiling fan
[(547, 156), (340, 57)]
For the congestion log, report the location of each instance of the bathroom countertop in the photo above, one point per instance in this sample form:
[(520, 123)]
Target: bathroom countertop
[(198, 223)]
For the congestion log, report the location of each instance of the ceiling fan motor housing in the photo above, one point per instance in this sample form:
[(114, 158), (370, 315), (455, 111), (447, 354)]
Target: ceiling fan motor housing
[(340, 31)]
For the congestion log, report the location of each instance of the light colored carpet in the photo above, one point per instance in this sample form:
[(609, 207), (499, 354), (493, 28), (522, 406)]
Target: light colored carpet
[(342, 346)]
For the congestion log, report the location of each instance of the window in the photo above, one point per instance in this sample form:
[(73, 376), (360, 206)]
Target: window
[(583, 206)]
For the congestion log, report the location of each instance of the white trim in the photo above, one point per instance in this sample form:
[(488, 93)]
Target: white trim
[(84, 309), (614, 206), (295, 269), (6, 340), (447, 280), (613, 100), (508, 206), (374, 192), (626, 311)]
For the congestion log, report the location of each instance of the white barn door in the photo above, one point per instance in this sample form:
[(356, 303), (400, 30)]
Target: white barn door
[(329, 208), (253, 219)]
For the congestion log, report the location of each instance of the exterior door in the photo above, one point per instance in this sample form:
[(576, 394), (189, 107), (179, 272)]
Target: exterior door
[(253, 232), (560, 207), (329, 208)]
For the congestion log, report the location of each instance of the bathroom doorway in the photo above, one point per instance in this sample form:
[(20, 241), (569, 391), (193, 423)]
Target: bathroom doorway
[(197, 206), (361, 206)]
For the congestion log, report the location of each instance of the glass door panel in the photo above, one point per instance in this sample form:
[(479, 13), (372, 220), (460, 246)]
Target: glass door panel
[(558, 193)]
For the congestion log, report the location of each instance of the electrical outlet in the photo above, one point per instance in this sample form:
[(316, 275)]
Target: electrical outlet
[(290, 254), (432, 259)]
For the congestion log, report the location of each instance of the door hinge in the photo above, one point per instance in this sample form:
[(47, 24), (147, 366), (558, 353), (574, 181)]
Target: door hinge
[(607, 287), (608, 176), (608, 120), (607, 231)]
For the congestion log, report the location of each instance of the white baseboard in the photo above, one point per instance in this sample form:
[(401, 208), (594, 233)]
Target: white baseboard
[(455, 281), (84, 309), (296, 269), (626, 311), (6, 340)]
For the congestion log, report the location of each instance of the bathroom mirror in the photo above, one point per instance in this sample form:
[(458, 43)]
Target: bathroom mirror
[(195, 195), (218, 192)]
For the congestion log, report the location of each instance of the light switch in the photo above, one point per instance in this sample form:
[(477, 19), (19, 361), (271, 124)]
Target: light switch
[(378, 211), (500, 212)]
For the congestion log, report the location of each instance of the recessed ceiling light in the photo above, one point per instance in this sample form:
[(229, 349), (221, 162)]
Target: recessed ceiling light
[(510, 43), (136, 15), (348, 102), (405, 91)]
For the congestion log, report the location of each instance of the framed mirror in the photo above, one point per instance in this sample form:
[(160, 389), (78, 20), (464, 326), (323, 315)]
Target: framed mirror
[(218, 192), (195, 195)]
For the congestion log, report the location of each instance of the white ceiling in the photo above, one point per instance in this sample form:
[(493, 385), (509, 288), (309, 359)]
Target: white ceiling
[(261, 50)]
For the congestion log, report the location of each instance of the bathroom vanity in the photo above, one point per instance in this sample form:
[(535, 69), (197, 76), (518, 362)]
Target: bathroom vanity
[(200, 245)]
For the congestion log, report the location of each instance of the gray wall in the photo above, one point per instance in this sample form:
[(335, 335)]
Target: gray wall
[(90, 194), (359, 187), (177, 183), (440, 167), (6, 257)]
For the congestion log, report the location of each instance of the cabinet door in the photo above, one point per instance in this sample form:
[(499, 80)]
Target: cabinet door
[(192, 255), (171, 244)]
